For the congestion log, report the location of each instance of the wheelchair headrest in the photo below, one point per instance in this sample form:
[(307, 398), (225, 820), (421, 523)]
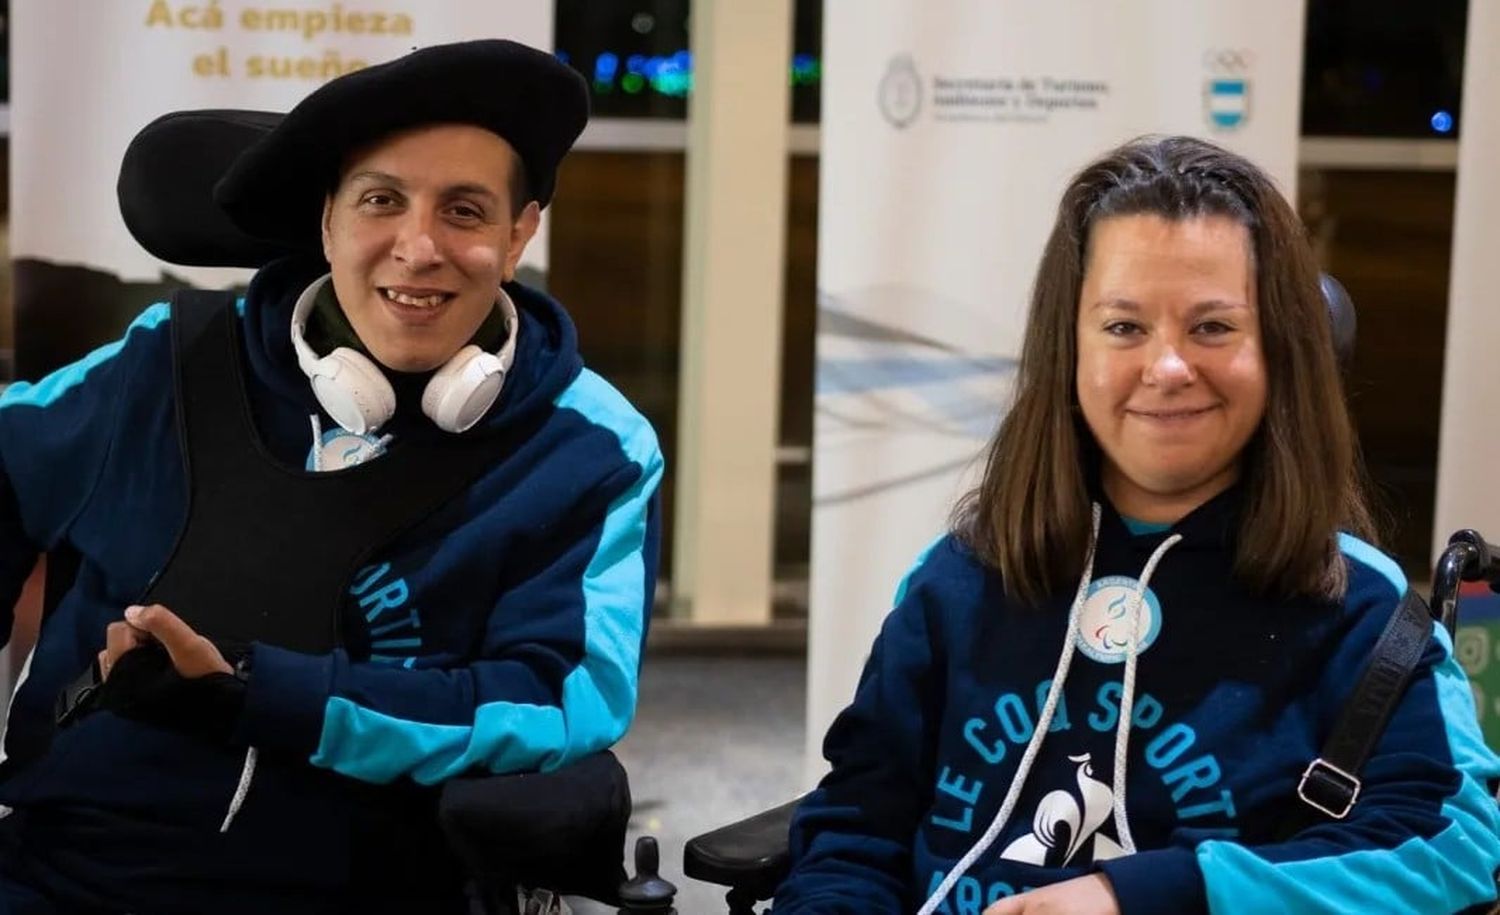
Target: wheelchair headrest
[(1341, 315), (166, 185)]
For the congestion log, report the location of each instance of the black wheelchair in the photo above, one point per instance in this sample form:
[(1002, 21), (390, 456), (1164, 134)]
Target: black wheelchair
[(751, 857), (562, 832), (552, 834)]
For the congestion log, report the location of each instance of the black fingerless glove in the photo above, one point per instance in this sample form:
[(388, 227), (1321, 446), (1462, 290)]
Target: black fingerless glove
[(143, 686)]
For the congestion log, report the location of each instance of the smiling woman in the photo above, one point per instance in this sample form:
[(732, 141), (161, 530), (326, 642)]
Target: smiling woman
[(1173, 507), (1171, 379), (1213, 301)]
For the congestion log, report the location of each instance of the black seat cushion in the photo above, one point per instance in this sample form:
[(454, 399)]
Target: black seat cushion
[(563, 830)]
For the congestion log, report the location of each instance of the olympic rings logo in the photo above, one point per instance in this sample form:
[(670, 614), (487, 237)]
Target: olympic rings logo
[(1229, 60)]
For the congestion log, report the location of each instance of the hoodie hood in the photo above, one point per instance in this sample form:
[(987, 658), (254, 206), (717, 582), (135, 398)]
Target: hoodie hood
[(1212, 526)]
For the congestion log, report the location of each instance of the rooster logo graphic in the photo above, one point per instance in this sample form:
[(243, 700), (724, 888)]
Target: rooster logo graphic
[(1066, 822)]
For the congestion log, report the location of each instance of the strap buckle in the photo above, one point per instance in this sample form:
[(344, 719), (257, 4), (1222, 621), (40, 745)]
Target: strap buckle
[(1328, 788), (78, 697)]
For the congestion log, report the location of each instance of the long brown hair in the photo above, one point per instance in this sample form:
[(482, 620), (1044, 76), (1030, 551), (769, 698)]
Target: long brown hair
[(1029, 517)]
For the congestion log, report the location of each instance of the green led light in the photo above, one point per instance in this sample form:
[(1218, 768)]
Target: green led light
[(673, 84), (806, 74), (633, 83)]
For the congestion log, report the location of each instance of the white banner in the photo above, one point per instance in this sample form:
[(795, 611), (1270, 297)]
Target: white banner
[(88, 74), (949, 129)]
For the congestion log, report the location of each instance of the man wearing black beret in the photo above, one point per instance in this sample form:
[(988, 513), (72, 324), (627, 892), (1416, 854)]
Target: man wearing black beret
[(372, 528)]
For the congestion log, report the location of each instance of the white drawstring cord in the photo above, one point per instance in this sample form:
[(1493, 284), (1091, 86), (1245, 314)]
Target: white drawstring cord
[(247, 774), (317, 451), (1054, 695), (1127, 700)]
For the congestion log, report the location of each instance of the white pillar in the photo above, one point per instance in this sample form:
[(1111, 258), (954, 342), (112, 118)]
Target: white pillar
[(731, 310), (1468, 478)]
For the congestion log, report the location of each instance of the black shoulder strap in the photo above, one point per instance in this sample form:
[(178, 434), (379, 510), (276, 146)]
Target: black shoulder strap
[(1330, 784), (194, 311)]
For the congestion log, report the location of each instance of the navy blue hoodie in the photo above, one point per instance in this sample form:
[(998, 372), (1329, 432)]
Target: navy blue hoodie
[(1232, 698), (501, 634)]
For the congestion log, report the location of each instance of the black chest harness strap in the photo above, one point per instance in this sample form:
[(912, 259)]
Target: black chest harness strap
[(266, 552)]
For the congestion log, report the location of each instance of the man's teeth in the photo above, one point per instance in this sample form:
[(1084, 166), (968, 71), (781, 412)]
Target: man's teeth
[(423, 301)]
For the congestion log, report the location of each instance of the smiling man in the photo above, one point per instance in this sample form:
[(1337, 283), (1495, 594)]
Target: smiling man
[(373, 528), (421, 231)]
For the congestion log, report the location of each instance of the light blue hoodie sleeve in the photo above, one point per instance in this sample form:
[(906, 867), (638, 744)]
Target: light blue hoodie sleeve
[(1424, 835), (55, 434), (851, 839), (1423, 838)]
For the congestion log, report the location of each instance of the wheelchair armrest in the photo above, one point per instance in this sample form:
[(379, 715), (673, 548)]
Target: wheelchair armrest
[(562, 830), (751, 856)]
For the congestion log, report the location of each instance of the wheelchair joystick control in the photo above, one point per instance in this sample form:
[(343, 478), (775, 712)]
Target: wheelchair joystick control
[(647, 892)]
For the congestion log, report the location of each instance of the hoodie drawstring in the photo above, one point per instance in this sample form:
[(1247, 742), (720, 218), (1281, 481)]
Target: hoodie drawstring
[(317, 446), (1127, 700), (1054, 696), (247, 774)]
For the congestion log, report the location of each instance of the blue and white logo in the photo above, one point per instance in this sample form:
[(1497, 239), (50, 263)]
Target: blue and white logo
[(1227, 102), (1104, 624), (1226, 92), (340, 448)]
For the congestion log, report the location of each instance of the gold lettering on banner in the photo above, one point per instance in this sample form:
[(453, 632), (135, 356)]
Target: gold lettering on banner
[(334, 19), (330, 65), (214, 64), (160, 14), (187, 17), (312, 23)]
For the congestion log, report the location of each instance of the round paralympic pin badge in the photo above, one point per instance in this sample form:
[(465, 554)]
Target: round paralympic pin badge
[(1104, 623), (341, 448)]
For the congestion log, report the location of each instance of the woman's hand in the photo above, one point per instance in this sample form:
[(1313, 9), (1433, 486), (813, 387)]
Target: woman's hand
[(1091, 895)]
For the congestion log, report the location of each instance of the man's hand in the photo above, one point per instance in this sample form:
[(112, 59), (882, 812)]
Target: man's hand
[(192, 655), (1091, 895), (118, 639)]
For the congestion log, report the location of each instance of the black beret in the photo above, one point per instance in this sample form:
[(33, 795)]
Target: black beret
[(536, 103)]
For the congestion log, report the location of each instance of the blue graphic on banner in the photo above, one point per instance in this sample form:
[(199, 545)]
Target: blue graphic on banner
[(1228, 102)]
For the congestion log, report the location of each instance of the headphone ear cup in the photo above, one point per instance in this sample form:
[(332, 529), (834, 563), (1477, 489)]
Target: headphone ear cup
[(463, 390), (353, 391)]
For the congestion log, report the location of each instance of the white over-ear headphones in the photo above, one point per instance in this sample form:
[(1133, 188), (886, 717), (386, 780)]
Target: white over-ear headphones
[(355, 392)]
